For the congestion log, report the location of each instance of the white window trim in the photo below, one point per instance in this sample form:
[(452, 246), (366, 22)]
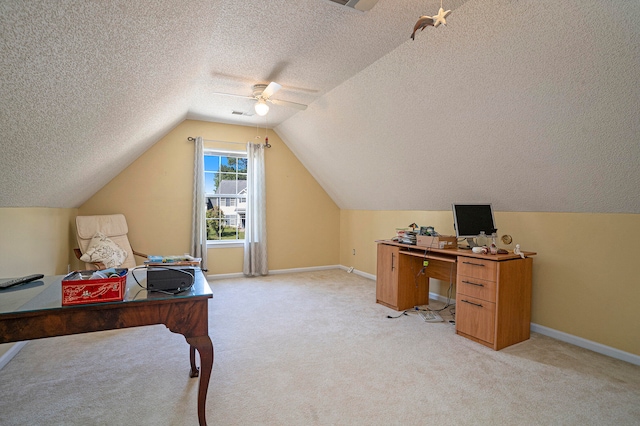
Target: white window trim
[(224, 243)]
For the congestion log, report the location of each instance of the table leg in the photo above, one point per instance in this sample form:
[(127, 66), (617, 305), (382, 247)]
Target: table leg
[(205, 349), (195, 371)]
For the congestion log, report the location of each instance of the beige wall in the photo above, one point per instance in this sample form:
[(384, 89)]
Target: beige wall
[(585, 279), (155, 194), (35, 241)]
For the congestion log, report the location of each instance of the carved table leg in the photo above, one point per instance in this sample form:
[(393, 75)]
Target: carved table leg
[(195, 371), (205, 349)]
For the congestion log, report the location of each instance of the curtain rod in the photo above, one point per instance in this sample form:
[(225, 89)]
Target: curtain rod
[(266, 141)]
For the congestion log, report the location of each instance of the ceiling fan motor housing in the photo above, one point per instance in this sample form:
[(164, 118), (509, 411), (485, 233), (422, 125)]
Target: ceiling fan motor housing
[(258, 89)]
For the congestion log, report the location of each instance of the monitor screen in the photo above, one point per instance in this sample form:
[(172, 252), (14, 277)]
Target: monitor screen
[(470, 219)]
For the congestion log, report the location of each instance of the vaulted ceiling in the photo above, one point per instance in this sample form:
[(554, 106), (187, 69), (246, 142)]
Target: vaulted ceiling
[(530, 105)]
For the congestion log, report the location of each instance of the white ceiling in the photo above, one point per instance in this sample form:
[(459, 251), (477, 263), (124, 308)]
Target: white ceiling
[(530, 105)]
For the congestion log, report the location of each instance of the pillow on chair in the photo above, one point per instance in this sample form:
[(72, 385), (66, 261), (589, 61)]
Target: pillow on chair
[(102, 249)]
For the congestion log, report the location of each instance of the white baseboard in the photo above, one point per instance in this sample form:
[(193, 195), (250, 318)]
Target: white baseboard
[(441, 298), (294, 270), (225, 276), (9, 354), (276, 272), (571, 339), (586, 344), (355, 271)]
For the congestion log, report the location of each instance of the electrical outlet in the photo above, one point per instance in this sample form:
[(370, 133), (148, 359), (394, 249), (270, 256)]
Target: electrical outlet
[(354, 252)]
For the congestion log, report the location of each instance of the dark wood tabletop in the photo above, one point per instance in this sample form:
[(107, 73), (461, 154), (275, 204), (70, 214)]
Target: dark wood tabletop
[(34, 310)]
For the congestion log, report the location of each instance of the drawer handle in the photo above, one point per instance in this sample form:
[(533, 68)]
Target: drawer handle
[(471, 303), (472, 283), (474, 264)]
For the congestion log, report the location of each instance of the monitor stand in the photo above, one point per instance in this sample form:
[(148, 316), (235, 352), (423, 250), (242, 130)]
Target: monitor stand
[(471, 242)]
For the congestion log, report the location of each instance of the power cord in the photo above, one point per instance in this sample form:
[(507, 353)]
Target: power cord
[(449, 291), (407, 312), (402, 314), (134, 275)]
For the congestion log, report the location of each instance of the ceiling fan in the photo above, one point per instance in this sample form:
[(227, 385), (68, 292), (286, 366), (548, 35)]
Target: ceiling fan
[(262, 93)]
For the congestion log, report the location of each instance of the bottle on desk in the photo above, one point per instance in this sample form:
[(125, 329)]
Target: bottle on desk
[(494, 244), (481, 239)]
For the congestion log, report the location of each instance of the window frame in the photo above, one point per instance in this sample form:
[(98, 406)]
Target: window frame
[(240, 196)]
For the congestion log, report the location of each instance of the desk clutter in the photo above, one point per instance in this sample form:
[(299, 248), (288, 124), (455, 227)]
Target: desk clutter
[(182, 260), (426, 236), (171, 274), (405, 236), (439, 241), (107, 285)]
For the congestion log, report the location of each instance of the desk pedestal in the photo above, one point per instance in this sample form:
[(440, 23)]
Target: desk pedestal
[(402, 278)]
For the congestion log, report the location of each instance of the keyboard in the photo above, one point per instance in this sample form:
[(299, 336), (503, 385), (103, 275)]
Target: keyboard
[(430, 316)]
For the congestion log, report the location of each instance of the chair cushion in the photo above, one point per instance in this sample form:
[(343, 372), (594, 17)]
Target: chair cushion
[(102, 249), (110, 225)]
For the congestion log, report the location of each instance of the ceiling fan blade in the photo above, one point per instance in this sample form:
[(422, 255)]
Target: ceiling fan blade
[(223, 76), (272, 88), (288, 104), (234, 96)]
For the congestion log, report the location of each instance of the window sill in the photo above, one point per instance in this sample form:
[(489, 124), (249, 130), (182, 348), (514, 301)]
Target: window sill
[(224, 244)]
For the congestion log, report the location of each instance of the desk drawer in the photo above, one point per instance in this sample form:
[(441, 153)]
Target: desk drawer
[(474, 287), (475, 317), (477, 268)]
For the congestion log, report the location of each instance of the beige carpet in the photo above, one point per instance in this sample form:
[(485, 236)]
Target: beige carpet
[(314, 349)]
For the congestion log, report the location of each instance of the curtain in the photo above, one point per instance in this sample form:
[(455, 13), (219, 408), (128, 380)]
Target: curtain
[(198, 225), (255, 236)]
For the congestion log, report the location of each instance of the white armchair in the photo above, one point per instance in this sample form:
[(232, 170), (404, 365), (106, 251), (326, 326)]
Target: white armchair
[(90, 232)]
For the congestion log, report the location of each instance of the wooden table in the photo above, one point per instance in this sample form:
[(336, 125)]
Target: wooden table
[(34, 311)]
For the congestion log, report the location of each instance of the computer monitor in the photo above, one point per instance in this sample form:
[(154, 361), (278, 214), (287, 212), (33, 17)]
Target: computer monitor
[(470, 219)]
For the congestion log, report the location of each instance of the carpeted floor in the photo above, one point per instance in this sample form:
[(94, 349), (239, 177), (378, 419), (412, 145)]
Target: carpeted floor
[(314, 349)]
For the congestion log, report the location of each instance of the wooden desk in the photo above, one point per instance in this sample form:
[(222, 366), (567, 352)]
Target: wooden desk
[(493, 292), (35, 311)]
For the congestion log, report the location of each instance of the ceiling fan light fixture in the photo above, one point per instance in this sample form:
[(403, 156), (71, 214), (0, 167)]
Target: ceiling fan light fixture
[(261, 107)]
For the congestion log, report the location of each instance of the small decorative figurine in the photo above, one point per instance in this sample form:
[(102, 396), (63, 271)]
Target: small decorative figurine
[(434, 21), (423, 22), (439, 18)]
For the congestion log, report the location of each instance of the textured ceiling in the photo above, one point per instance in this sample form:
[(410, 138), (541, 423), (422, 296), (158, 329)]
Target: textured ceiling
[(530, 105)]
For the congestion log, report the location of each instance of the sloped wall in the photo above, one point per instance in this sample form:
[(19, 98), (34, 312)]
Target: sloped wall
[(530, 105)]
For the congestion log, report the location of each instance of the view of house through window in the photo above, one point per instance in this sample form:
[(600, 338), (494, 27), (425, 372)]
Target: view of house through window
[(225, 177)]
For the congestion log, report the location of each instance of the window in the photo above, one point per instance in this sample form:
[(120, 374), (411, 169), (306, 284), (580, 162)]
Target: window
[(225, 186)]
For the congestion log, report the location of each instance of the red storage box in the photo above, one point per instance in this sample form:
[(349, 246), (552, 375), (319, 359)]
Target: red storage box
[(77, 290)]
